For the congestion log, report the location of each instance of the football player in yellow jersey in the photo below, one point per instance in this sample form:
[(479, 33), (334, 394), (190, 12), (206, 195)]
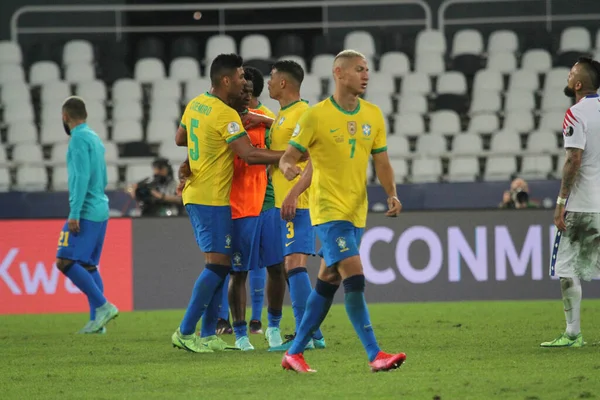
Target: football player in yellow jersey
[(213, 132), (341, 133)]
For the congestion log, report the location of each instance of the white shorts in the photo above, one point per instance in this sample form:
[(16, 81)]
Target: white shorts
[(576, 252)]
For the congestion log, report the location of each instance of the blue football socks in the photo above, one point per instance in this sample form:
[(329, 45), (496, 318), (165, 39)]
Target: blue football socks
[(258, 277), (85, 282), (274, 317), (211, 314), (240, 328), (98, 280), (356, 308), (300, 289), (202, 294), (224, 310)]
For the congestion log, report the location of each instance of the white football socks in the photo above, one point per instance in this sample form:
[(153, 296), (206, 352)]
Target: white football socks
[(571, 295)]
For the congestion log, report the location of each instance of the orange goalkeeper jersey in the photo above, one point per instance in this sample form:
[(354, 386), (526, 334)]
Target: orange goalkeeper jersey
[(249, 181)]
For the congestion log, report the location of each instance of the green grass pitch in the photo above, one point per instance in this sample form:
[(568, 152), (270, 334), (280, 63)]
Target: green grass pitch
[(467, 350)]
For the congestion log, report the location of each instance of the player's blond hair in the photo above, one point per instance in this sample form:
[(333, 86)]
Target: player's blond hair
[(347, 54)]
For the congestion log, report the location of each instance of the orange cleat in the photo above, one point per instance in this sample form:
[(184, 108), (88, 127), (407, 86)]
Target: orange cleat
[(386, 362), (296, 363)]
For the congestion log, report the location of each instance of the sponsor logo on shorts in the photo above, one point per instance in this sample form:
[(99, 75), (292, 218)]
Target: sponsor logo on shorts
[(288, 244), (227, 241), (237, 259)]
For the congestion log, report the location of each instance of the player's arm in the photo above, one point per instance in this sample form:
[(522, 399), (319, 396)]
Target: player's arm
[(79, 173), (290, 203), (181, 136), (302, 137), (252, 120), (384, 170)]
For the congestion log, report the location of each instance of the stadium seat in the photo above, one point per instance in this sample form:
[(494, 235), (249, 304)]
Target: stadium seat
[(394, 63), (11, 73), (463, 169), (519, 100), (536, 60), (21, 132), (485, 102), (444, 122), (31, 179), (560, 164), (568, 59), (60, 178), (468, 64), (18, 110), (136, 173), (127, 110), (507, 142), (171, 151), (575, 39), (467, 144), (455, 102), (4, 180), (50, 112), (378, 83), (215, 45), (431, 145), (195, 87), (112, 175), (409, 125), (467, 41), (149, 70), (543, 142), (488, 80), (165, 109), (127, 131), (553, 101), (503, 41), (184, 47), (77, 52), (10, 52), (412, 104), (150, 47), (384, 101), (536, 167), (400, 169), (91, 90), (597, 41), (426, 170), (59, 153), (311, 86), (289, 45), (484, 123), (430, 63), (519, 121), (111, 154), (43, 72), (96, 109), (298, 59), (416, 83), (3, 156), (52, 132), (322, 65), (504, 63), (160, 130), (255, 46), (523, 79), (397, 146), (80, 72), (166, 89), (430, 41), (27, 153), (452, 82), (55, 92), (556, 79), (14, 91), (126, 90), (361, 41), (552, 120), (500, 168)]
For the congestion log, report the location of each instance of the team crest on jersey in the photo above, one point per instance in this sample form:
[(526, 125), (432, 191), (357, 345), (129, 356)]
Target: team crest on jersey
[(233, 127), (341, 242), (296, 130), (227, 241), (568, 131), (237, 259), (366, 129), (352, 127), (281, 121)]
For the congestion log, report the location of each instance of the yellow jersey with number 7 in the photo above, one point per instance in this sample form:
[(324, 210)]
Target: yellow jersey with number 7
[(211, 125), (281, 133), (340, 144)]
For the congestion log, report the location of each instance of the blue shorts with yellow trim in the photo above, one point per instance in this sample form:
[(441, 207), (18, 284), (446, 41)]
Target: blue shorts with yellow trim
[(298, 235), (212, 227), (84, 247), (339, 240), (246, 244), (271, 250)]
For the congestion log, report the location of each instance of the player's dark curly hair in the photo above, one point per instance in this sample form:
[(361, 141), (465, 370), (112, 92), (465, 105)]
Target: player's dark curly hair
[(224, 65), (592, 68), (258, 82), (292, 68)]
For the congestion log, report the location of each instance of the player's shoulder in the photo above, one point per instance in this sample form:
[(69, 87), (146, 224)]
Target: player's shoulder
[(368, 107), (266, 110), (257, 111), (587, 105)]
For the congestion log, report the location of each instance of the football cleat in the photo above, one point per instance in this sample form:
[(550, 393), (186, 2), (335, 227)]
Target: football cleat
[(224, 327), (296, 363), (256, 327), (387, 362), (565, 341)]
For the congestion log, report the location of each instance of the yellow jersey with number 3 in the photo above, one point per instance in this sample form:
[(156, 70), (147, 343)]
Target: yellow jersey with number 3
[(340, 144), (281, 133), (211, 125)]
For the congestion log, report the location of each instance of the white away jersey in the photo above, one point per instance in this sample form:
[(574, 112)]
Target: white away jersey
[(581, 130)]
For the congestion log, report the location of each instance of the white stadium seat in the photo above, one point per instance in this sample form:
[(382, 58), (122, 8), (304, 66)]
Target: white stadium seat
[(503, 41), (127, 131), (519, 121), (15, 91), (502, 62), (27, 153), (467, 144), (537, 60), (431, 145), (575, 39), (484, 123), (430, 63), (500, 168), (218, 44), (194, 88), (523, 79), (361, 41), (552, 120), (409, 124), (255, 46), (322, 65), (166, 89), (10, 52), (394, 63), (160, 130), (80, 72), (556, 79), (485, 102), (451, 82), (412, 104), (506, 142), (519, 100), (78, 51), (30, 178), (430, 41), (165, 109), (92, 90), (444, 122), (136, 173), (184, 68), (543, 142), (400, 169), (536, 167), (397, 146), (378, 83), (4, 180), (55, 92), (416, 83), (148, 70), (22, 132), (467, 41), (127, 110), (126, 89), (463, 169), (43, 72), (488, 80), (11, 73), (426, 170)]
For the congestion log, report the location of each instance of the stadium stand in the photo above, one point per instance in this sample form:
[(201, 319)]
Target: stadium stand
[(462, 107)]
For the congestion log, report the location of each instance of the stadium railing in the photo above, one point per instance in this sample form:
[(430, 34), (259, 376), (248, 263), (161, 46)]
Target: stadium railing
[(120, 26)]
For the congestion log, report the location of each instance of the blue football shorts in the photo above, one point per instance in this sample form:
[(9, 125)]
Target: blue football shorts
[(84, 247), (246, 244), (339, 240), (271, 250), (298, 235), (212, 227)]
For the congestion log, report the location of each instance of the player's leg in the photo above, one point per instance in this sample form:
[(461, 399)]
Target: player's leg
[(93, 271), (223, 324), (258, 277)]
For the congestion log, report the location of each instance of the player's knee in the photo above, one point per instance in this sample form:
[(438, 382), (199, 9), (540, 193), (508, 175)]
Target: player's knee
[(326, 289), (239, 277), (64, 265), (220, 269), (295, 271), (294, 261), (275, 271), (330, 275), (90, 268), (355, 283)]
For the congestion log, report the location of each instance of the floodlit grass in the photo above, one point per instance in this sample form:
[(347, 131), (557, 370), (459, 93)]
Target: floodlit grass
[(468, 350)]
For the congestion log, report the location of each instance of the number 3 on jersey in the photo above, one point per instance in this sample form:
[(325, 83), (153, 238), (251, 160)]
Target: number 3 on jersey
[(290, 229), (194, 151)]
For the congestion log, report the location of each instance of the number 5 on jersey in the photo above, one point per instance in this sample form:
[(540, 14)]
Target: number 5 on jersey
[(194, 150)]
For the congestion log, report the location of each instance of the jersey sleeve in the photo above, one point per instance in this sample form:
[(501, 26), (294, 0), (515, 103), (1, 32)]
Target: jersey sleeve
[(304, 132), (380, 138), (230, 125), (574, 129)]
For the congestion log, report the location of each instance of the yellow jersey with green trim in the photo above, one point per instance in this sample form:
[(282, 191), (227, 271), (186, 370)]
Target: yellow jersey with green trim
[(211, 125), (340, 144), (280, 135), (266, 110)]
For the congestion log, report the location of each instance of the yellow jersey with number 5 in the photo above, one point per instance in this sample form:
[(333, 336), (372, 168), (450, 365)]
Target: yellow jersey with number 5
[(211, 125), (340, 144), (281, 133)]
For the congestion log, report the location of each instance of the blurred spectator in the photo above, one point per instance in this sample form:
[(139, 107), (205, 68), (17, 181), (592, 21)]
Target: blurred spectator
[(157, 195), (518, 196)]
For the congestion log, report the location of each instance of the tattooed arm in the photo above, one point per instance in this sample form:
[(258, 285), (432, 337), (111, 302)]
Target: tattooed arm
[(570, 170)]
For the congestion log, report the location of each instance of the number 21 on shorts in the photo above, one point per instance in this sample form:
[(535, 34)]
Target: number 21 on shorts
[(63, 239)]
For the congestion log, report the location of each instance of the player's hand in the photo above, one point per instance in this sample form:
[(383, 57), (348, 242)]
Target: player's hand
[(394, 207), (288, 207), (184, 169), (251, 120), (180, 187), (290, 171), (131, 190), (305, 156), (559, 218), (73, 225)]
